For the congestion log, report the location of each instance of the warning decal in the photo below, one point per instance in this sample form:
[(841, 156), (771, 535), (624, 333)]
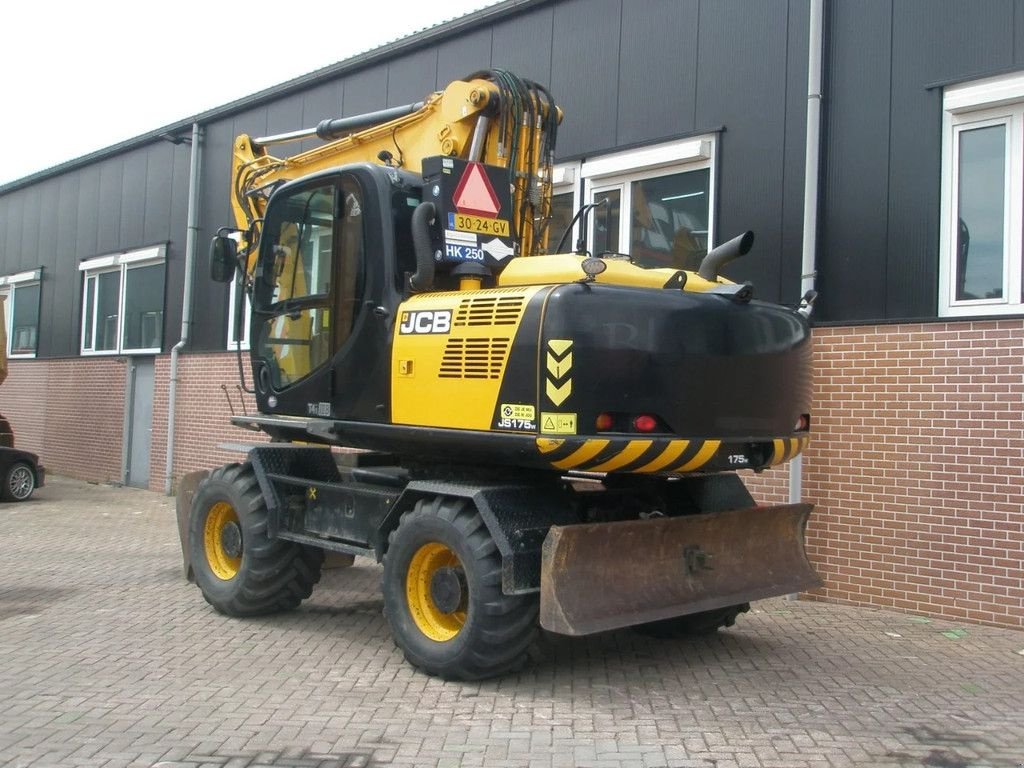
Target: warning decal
[(474, 194), (558, 423)]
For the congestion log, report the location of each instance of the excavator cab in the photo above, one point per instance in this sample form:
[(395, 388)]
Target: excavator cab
[(327, 279)]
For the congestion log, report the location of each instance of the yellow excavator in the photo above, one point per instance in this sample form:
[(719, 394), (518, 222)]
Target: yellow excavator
[(525, 437)]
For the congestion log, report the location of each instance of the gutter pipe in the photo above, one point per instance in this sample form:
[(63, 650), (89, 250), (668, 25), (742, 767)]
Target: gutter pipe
[(811, 189), (192, 235)]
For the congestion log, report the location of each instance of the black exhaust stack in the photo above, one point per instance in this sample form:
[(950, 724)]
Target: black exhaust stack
[(723, 254)]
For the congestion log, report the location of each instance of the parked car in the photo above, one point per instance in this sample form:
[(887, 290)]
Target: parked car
[(21, 472)]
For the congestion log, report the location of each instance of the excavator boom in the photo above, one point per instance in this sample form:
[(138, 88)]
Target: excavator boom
[(499, 120)]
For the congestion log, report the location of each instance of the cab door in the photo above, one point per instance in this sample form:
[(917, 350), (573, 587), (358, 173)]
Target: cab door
[(310, 289)]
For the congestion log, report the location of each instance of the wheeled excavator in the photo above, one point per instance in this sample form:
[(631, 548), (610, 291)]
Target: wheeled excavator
[(525, 439)]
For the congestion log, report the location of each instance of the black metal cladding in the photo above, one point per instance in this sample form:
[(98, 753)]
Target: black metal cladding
[(879, 253), (627, 72)]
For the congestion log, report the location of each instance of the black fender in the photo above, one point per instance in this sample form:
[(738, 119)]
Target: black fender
[(517, 515)]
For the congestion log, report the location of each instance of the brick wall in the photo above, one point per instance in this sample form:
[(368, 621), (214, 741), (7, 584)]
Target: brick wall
[(916, 463), (70, 412), (205, 384), (917, 468)]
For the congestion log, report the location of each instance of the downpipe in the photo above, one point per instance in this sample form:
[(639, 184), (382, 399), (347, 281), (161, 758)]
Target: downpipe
[(811, 192), (191, 238)]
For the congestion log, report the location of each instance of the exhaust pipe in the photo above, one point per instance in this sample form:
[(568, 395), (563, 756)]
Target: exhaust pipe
[(723, 254)]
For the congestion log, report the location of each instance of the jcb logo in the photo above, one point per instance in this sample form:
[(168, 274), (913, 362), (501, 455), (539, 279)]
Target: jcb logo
[(426, 321)]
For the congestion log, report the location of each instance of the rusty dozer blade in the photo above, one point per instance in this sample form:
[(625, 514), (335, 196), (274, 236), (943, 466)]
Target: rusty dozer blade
[(185, 492), (603, 576)]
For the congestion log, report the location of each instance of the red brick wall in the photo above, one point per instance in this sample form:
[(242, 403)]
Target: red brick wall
[(70, 412), (916, 463), (917, 468), (205, 382)]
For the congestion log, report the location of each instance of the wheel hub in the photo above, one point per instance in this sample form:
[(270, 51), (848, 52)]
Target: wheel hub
[(448, 589), (231, 539), (436, 591), (222, 541)]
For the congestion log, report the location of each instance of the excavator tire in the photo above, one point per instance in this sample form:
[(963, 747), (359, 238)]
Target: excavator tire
[(693, 625), (443, 598), (240, 570)]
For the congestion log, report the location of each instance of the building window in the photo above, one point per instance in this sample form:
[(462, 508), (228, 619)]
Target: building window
[(238, 329), (656, 203), (982, 197), (565, 196), (123, 303), (21, 312)]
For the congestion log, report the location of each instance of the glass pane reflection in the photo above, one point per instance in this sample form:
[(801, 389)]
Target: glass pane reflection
[(981, 212)]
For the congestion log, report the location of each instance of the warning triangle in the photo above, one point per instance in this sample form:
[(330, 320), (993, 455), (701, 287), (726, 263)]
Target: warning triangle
[(474, 194)]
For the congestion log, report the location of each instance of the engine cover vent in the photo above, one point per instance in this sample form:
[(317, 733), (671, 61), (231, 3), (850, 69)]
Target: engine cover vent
[(490, 310), (474, 358)]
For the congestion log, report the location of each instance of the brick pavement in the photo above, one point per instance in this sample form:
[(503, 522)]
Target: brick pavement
[(108, 658)]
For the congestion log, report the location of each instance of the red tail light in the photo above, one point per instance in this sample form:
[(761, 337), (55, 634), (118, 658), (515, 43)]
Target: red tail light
[(645, 423)]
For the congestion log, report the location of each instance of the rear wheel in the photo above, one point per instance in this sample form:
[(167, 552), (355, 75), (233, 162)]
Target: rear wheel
[(443, 598), (19, 482), (239, 568), (693, 625)]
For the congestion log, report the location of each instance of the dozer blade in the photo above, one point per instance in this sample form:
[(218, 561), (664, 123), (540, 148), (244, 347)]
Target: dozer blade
[(185, 492), (603, 576)]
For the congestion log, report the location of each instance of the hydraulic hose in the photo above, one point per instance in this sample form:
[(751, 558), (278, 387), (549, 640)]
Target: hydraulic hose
[(422, 218)]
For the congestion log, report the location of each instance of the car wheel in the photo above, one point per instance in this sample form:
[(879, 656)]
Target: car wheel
[(19, 483)]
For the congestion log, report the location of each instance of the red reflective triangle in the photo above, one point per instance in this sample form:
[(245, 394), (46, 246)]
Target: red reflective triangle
[(474, 194)]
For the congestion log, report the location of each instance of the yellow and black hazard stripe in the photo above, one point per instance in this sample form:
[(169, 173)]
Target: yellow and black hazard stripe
[(663, 456), (623, 455), (786, 449)]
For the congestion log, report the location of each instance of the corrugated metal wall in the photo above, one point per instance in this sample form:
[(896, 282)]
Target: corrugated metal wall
[(626, 72), (886, 63)]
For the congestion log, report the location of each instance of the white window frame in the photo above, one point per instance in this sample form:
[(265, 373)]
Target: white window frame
[(565, 178), (619, 170), (121, 263), (9, 285), (247, 312), (246, 316), (979, 104)]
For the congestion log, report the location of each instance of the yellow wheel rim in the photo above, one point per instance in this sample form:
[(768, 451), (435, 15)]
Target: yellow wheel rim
[(223, 564), (431, 620)]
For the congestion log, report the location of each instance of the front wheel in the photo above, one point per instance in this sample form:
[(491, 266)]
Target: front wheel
[(19, 483), (239, 568), (443, 598)]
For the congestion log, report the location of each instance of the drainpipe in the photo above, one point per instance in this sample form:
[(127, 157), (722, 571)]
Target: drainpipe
[(811, 181), (194, 172)]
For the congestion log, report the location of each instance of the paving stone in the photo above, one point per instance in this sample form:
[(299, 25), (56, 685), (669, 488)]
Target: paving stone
[(109, 659)]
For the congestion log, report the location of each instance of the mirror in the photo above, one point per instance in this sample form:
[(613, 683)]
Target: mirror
[(223, 259)]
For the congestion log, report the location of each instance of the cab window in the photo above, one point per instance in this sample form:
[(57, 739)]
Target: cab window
[(310, 283)]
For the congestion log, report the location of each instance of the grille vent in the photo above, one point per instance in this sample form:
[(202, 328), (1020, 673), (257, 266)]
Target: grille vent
[(490, 310), (473, 358)]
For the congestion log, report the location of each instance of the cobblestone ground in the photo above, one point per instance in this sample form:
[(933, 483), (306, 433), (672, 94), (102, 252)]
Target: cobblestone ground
[(109, 658)]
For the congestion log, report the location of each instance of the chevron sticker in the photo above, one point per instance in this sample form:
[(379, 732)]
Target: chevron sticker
[(558, 395), (558, 384), (559, 368)]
